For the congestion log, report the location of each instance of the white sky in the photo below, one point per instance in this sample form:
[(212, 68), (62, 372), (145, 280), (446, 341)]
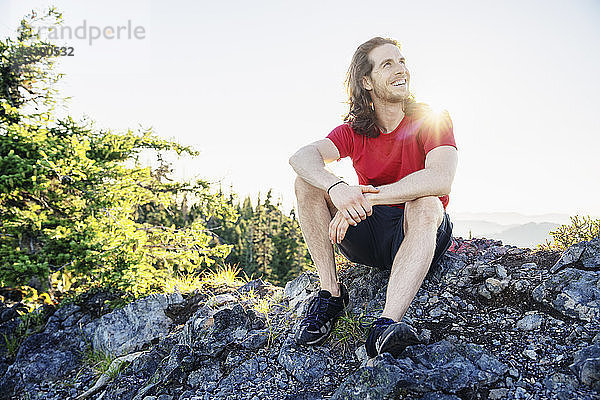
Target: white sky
[(248, 83)]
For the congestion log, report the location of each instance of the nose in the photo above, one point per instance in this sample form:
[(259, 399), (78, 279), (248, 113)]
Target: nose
[(400, 69)]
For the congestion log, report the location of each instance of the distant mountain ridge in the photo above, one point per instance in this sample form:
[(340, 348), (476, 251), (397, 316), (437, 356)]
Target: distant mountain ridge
[(509, 227)]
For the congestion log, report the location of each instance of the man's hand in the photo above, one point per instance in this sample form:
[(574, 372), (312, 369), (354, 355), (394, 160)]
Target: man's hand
[(337, 228), (351, 203)]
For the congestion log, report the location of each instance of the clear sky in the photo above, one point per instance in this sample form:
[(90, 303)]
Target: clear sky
[(248, 83)]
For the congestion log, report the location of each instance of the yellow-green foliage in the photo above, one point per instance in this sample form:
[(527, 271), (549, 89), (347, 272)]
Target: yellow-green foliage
[(182, 284), (263, 305), (580, 229), (75, 203), (223, 276)]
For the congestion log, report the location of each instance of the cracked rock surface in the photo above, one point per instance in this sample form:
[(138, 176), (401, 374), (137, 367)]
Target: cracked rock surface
[(497, 322)]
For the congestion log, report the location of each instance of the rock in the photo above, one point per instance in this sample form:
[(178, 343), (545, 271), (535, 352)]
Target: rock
[(105, 377), (307, 364), (130, 328), (255, 339), (495, 286), (246, 371), (500, 393), (572, 292), (452, 365), (377, 382), (305, 396), (501, 271), (43, 357), (208, 336), (586, 365), (361, 355), (221, 299), (531, 354), (484, 292), (439, 396), (534, 325), (561, 385), (530, 322), (442, 366), (254, 285), (206, 377), (299, 291), (66, 311), (522, 286), (581, 255), (531, 265)]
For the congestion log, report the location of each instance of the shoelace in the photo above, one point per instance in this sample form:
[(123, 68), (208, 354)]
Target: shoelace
[(317, 312)]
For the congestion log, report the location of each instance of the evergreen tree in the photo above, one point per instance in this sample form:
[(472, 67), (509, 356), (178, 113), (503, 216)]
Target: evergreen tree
[(73, 199)]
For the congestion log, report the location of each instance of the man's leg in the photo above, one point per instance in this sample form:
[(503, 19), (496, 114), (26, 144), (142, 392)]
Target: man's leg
[(422, 217), (315, 211)]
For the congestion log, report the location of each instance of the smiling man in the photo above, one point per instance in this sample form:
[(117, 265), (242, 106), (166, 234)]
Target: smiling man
[(405, 158)]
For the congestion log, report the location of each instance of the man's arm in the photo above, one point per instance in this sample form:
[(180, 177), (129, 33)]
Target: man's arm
[(434, 180), (309, 164)]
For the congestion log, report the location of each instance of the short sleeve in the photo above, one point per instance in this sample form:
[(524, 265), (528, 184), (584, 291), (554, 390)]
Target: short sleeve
[(436, 131), (342, 137)]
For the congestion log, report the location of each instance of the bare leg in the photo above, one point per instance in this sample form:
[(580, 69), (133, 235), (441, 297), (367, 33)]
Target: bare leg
[(422, 217), (315, 212)]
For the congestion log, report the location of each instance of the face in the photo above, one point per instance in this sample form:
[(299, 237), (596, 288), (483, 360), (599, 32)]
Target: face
[(389, 78)]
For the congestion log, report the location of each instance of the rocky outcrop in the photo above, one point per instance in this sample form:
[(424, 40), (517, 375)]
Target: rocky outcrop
[(493, 321)]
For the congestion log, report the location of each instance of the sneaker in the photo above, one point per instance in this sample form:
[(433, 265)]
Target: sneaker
[(322, 313), (387, 336)]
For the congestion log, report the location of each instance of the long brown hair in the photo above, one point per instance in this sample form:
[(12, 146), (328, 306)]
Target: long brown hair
[(361, 115)]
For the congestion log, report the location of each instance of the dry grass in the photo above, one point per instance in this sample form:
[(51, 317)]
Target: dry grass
[(226, 276)]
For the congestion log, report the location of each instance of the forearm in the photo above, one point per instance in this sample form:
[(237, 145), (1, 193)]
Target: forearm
[(425, 182), (309, 165)]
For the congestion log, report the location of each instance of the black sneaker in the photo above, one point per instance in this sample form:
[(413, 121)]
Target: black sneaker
[(322, 313), (387, 336)]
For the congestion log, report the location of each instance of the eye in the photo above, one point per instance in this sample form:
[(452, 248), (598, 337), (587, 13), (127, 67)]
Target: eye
[(387, 64)]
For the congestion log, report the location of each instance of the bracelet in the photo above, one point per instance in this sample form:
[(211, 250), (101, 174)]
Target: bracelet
[(338, 182)]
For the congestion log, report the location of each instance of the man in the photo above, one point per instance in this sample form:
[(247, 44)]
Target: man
[(405, 158)]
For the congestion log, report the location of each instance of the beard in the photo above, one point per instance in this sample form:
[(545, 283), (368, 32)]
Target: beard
[(384, 94)]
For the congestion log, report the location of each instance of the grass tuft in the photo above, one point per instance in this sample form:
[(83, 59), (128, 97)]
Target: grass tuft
[(28, 324), (226, 275), (98, 360), (348, 332), (183, 284)]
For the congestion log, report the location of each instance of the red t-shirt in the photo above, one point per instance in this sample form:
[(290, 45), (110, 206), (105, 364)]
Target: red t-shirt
[(390, 157)]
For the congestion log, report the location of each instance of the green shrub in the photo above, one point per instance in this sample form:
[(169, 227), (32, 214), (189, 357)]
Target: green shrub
[(74, 199), (580, 229)]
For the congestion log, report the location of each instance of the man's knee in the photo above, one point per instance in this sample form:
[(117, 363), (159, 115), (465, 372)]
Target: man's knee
[(423, 211), (304, 189)]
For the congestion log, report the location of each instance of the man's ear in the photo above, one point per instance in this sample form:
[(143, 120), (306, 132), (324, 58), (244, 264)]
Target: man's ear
[(366, 82)]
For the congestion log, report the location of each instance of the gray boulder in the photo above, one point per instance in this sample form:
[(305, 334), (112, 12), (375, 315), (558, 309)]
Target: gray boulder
[(307, 364), (128, 329), (443, 366), (572, 292), (586, 365), (584, 255)]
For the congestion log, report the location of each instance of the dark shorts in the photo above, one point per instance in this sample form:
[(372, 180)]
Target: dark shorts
[(376, 240)]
